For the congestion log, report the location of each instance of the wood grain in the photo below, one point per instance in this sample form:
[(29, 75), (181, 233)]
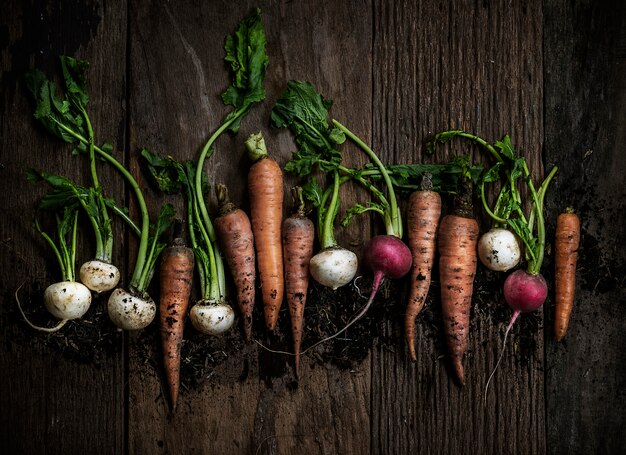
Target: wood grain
[(550, 74), (585, 105), (51, 404)]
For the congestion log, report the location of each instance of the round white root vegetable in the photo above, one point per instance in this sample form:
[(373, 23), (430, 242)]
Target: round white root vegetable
[(99, 276), (499, 250), (67, 299), (334, 267), (129, 311), (212, 318)]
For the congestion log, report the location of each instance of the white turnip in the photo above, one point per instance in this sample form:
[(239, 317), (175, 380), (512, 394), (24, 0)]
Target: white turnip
[(334, 267), (212, 318), (99, 276), (130, 310), (67, 299), (499, 250)]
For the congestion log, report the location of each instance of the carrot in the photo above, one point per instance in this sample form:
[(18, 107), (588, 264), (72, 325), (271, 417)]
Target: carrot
[(458, 236), (298, 237), (566, 249), (176, 275), (265, 186), (234, 233), (423, 214)]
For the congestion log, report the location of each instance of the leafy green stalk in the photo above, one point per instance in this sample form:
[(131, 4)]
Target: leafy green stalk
[(388, 207), (65, 193), (507, 210), (305, 112), (67, 120), (245, 52), (173, 177), (65, 250)]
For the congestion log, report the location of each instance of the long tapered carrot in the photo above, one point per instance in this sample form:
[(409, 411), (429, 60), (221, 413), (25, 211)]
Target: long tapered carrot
[(176, 275), (234, 233), (265, 186), (566, 255), (423, 212), (298, 238), (458, 236)]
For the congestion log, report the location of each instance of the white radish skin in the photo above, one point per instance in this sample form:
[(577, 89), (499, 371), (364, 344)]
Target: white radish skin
[(129, 311), (212, 318), (334, 267), (67, 299), (499, 250), (99, 276)]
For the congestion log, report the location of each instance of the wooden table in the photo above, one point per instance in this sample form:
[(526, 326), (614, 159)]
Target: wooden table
[(551, 74)]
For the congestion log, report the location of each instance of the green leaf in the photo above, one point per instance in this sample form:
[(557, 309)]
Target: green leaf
[(74, 75), (313, 192), (54, 113), (359, 209), (506, 148), (441, 138), (248, 60), (305, 112)]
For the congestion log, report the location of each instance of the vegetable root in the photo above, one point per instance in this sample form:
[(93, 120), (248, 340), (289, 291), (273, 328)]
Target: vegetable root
[(566, 256), (176, 275), (457, 266), (298, 237), (265, 185), (235, 235), (423, 214)]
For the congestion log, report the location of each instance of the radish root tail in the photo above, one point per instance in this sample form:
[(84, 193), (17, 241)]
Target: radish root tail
[(506, 336), (36, 327)]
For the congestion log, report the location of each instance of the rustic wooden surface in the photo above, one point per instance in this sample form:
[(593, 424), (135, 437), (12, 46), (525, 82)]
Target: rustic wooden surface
[(551, 74)]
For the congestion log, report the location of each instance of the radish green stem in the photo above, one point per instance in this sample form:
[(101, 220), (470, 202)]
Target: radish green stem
[(104, 248), (394, 221), (327, 229), (145, 220), (200, 169)]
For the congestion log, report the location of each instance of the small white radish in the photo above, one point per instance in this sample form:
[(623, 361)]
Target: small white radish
[(499, 250), (67, 299), (130, 311), (99, 276), (334, 267), (212, 318)]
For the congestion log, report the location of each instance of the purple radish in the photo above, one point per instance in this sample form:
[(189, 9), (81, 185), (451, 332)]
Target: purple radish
[(387, 257), (524, 293)]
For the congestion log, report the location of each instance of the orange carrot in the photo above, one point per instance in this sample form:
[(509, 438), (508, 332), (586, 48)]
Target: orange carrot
[(265, 186), (458, 235), (298, 237), (566, 255), (234, 233), (176, 275), (423, 214)]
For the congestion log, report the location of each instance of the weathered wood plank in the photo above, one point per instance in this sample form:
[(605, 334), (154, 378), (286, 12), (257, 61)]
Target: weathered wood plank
[(585, 88), (51, 403), (397, 73), (178, 73), (478, 67)]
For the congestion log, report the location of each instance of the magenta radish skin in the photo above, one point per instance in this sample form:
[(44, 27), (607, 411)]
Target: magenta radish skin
[(387, 255), (525, 292)]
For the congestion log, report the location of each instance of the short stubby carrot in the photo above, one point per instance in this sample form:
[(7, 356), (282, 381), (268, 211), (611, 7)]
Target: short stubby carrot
[(298, 239), (265, 186), (457, 267), (566, 255), (234, 233), (176, 276), (423, 212)]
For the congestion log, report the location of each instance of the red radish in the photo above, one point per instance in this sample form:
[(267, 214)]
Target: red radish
[(524, 292), (387, 257)]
